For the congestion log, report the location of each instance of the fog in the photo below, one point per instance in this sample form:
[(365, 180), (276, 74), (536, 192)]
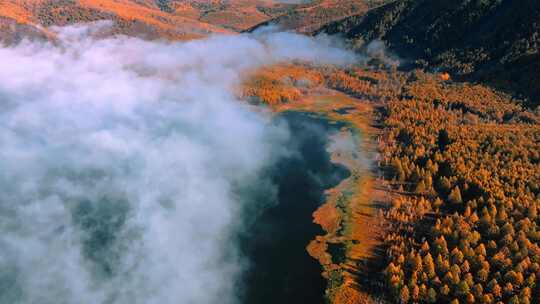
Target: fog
[(120, 164)]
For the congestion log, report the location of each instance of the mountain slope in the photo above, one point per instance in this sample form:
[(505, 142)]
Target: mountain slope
[(236, 15), (170, 19), (140, 18), (309, 17), (496, 41)]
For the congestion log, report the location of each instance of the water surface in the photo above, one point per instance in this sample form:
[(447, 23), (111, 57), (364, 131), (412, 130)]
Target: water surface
[(281, 270)]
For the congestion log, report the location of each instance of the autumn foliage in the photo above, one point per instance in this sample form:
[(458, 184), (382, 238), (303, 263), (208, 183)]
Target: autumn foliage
[(464, 229), (463, 165)]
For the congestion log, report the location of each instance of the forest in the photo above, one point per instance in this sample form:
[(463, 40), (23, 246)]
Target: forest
[(464, 228), (492, 41), (462, 164)]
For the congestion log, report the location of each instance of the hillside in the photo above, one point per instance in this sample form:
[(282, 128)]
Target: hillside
[(490, 40), (236, 15), (138, 18), (310, 17), (170, 19)]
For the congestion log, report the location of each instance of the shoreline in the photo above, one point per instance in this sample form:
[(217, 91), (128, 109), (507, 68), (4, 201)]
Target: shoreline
[(349, 216)]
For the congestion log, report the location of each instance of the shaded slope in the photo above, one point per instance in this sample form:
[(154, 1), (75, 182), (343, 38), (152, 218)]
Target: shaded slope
[(482, 39), (307, 18)]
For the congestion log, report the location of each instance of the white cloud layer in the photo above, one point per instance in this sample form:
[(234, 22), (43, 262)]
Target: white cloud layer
[(118, 163)]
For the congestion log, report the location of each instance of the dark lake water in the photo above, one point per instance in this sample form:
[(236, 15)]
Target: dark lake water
[(281, 270)]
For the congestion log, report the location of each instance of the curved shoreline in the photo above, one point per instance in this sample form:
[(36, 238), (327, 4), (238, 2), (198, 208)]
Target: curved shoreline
[(349, 216), (281, 270)]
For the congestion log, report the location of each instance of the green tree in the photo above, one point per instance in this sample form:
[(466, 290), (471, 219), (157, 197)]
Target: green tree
[(432, 296), (443, 139), (444, 184), (463, 288), (514, 300), (478, 290), (398, 167)]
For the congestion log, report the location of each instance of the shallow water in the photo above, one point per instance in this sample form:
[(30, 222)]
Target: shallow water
[(281, 270)]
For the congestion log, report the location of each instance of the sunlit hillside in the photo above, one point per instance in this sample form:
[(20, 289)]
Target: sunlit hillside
[(175, 19)]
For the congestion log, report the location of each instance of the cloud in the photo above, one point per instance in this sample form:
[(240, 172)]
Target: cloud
[(119, 164), (377, 49)]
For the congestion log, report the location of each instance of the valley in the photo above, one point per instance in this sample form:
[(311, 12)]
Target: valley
[(372, 151)]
